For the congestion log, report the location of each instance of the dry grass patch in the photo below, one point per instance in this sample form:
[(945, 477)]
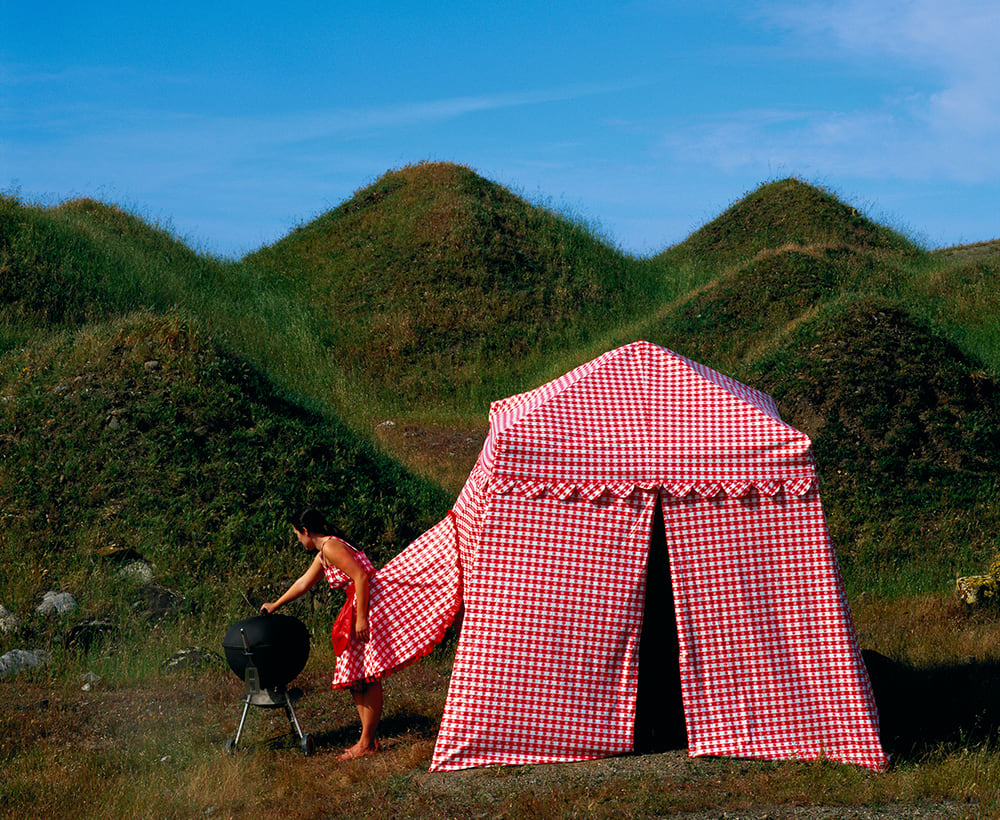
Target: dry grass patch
[(926, 630), (154, 747), (443, 453)]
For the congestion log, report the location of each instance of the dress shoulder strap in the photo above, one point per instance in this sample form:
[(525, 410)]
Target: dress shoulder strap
[(322, 557)]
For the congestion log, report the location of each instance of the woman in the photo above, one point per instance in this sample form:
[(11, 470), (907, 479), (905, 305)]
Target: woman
[(344, 567)]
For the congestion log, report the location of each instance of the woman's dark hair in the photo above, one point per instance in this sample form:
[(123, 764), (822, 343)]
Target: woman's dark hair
[(311, 519)]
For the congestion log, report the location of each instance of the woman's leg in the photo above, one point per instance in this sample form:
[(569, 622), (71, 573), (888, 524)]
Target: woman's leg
[(368, 700), (369, 705)]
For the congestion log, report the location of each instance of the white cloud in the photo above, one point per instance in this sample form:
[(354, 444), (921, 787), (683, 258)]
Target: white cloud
[(941, 124), (954, 41)]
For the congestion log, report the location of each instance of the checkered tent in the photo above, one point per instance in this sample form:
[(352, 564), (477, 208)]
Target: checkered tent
[(553, 531)]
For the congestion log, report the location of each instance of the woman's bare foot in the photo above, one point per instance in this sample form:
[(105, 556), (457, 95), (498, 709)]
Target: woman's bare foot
[(359, 750)]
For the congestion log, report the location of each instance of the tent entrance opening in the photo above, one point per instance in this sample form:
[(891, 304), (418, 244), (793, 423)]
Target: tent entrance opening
[(659, 713)]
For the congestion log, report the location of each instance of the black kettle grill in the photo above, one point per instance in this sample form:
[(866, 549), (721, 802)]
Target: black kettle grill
[(268, 652)]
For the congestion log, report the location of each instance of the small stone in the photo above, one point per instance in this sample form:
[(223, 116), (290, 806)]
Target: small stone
[(57, 603), (119, 554), (9, 622), (159, 602), (88, 632), (90, 680), (151, 365), (137, 572)]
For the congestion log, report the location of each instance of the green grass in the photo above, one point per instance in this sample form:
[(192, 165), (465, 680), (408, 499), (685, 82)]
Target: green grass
[(906, 431), (960, 295), (783, 214), (422, 298), (433, 291), (142, 433), (448, 291)]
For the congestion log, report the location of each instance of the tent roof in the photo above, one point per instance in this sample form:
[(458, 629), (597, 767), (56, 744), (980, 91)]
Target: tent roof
[(642, 415)]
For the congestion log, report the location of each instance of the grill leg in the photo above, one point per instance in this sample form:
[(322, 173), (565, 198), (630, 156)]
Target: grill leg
[(306, 742), (239, 730), (294, 721)]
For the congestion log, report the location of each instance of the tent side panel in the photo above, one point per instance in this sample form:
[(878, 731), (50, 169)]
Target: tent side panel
[(770, 666), (469, 513), (420, 593), (546, 667)]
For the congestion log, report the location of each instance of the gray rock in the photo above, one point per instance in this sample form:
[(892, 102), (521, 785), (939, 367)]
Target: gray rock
[(89, 680), (57, 603), (159, 602), (18, 660), (137, 572), (9, 622), (88, 632)]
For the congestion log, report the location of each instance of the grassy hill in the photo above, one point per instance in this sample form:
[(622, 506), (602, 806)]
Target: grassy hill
[(420, 299), (439, 290), (783, 214), (906, 432), (141, 434), (884, 354)]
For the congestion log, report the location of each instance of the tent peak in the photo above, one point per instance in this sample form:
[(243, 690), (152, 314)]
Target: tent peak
[(643, 413)]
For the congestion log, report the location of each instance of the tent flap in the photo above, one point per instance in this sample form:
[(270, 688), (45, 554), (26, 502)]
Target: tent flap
[(546, 669), (679, 489)]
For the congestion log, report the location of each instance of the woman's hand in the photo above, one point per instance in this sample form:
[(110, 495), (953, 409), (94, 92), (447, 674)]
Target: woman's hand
[(361, 627), (268, 608)]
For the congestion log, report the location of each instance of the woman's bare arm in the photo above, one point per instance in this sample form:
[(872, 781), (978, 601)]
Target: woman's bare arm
[(302, 585)]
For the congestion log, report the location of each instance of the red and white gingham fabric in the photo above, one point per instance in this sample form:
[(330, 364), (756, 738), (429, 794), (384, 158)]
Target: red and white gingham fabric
[(412, 601), (553, 531), (544, 669), (770, 666)]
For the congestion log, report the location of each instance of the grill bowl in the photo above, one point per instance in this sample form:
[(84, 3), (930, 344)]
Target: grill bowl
[(280, 646)]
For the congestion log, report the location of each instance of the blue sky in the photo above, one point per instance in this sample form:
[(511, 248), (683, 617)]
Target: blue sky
[(233, 123)]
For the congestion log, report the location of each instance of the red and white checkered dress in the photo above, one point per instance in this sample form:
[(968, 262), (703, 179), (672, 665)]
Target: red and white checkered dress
[(412, 600), (553, 529)]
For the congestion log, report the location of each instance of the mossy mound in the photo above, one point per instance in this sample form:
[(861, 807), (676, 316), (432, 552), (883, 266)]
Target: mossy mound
[(785, 213), (144, 434), (746, 311), (906, 431), (433, 281)]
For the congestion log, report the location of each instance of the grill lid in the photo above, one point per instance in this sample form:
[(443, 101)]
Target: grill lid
[(279, 643)]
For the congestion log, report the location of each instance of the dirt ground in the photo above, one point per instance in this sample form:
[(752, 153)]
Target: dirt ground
[(203, 709), (498, 783), (446, 455)]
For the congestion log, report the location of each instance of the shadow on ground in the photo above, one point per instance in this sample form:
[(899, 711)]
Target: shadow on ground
[(923, 708), (412, 726)]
